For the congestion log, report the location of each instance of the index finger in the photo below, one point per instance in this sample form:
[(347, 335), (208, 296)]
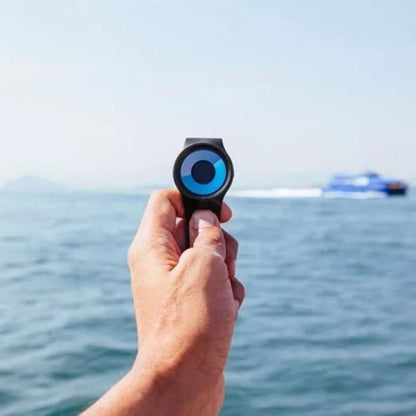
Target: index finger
[(156, 231), (163, 208)]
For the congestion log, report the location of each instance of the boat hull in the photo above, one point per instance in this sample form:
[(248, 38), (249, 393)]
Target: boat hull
[(397, 192)]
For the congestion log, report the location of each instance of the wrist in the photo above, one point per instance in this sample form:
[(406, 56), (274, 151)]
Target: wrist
[(172, 387), (163, 385)]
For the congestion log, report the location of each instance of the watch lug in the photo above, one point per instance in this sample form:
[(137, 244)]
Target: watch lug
[(194, 140)]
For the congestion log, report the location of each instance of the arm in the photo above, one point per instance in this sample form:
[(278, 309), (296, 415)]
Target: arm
[(186, 304)]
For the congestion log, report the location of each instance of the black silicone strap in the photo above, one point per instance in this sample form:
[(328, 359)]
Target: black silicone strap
[(195, 140), (192, 205)]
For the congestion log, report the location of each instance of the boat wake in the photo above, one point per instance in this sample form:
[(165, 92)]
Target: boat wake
[(278, 193), (354, 195), (303, 193)]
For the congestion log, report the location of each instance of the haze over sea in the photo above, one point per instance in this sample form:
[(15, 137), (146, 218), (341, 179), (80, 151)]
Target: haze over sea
[(328, 326)]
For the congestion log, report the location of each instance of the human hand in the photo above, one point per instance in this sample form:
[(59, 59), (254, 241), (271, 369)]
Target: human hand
[(186, 304)]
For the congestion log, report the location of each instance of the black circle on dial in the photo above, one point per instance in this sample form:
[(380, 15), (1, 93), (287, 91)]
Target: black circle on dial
[(203, 171)]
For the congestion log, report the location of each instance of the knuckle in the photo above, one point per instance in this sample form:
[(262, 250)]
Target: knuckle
[(131, 256), (134, 254), (239, 290), (242, 292), (188, 256), (235, 244), (232, 243), (215, 237), (212, 259), (193, 256), (203, 257)]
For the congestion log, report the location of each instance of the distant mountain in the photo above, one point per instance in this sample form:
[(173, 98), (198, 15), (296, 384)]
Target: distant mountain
[(32, 184)]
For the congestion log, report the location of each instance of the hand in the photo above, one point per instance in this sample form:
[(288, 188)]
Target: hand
[(186, 303)]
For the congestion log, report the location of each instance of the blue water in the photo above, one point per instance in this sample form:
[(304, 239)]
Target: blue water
[(328, 326)]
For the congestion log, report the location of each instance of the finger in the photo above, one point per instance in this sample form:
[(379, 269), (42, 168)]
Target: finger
[(205, 232), (157, 228), (180, 234), (238, 292), (231, 245), (163, 207), (226, 212)]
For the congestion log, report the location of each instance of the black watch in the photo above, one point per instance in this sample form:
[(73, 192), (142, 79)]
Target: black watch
[(203, 173)]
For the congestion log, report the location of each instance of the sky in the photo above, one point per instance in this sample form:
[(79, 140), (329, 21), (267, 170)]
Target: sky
[(97, 93)]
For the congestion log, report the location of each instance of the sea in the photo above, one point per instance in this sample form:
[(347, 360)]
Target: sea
[(328, 326)]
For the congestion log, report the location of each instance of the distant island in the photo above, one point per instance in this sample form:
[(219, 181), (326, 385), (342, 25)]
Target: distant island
[(32, 184)]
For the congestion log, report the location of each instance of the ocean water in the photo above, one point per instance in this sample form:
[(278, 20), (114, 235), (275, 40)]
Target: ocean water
[(328, 326)]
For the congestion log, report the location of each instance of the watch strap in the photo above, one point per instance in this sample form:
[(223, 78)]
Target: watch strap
[(191, 205), (198, 140)]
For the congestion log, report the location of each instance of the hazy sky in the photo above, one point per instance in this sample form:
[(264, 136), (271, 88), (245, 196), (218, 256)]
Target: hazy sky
[(103, 93)]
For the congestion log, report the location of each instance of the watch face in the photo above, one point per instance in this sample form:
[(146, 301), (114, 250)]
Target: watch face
[(202, 170)]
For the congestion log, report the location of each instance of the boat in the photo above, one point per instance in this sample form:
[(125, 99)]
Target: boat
[(368, 183)]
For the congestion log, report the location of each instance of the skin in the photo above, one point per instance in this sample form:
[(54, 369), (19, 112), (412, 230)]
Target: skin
[(186, 304)]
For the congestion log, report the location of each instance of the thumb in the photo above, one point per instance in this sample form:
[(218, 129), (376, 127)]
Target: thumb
[(205, 232)]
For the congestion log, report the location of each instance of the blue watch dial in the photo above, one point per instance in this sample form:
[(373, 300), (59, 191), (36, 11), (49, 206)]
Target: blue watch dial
[(203, 172)]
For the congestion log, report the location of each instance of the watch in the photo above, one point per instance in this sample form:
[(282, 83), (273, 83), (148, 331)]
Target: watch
[(203, 173)]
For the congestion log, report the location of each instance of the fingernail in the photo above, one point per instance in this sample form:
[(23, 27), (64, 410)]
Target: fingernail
[(203, 219)]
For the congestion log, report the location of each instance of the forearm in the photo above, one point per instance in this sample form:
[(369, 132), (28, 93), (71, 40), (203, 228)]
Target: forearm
[(134, 394), (150, 391)]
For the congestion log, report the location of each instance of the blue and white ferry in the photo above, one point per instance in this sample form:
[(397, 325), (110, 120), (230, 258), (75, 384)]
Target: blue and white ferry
[(365, 184)]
